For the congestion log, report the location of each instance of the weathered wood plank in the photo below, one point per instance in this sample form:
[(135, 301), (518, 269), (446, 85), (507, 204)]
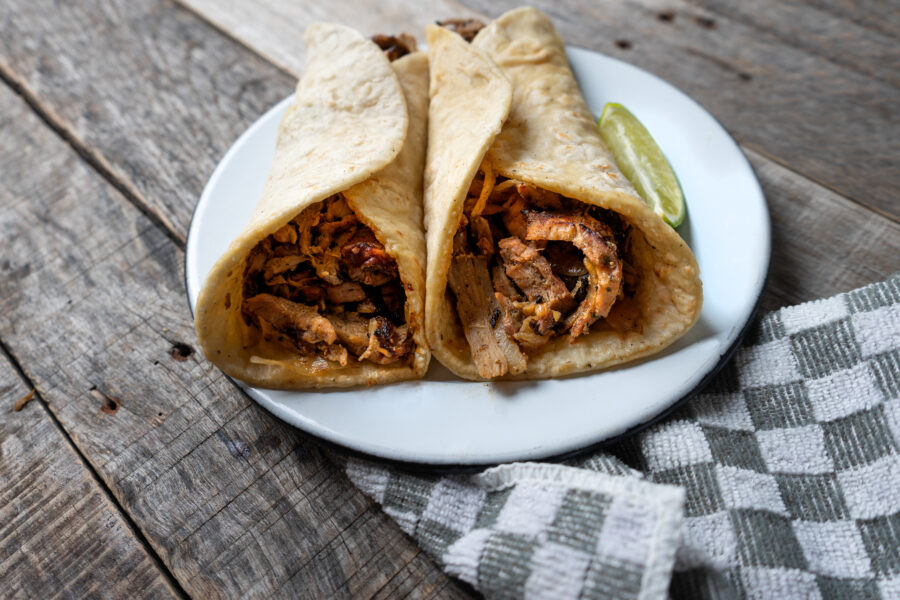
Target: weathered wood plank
[(92, 305), (821, 244), (818, 32), (59, 533), (145, 90), (876, 15)]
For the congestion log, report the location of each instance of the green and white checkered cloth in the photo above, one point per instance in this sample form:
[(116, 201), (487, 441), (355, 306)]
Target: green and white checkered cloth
[(780, 480)]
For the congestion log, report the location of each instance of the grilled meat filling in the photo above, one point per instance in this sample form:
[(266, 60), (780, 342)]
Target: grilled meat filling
[(324, 285), (467, 28), (366, 261), (600, 260), (529, 265), (395, 46), (494, 353)]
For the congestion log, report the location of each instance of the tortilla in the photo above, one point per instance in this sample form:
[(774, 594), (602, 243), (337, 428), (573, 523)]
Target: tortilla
[(546, 140), (356, 129)]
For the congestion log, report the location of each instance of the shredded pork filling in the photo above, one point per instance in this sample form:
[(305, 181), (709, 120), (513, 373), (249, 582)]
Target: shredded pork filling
[(530, 265), (324, 285), (395, 46), (467, 28)]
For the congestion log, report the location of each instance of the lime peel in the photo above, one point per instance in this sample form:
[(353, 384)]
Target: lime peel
[(642, 161)]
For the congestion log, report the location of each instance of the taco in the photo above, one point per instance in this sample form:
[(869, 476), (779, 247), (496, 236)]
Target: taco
[(325, 285), (542, 259)]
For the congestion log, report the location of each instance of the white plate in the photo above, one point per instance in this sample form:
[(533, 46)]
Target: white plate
[(441, 420)]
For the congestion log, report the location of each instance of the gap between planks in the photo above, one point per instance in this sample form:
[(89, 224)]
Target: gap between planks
[(101, 484), (746, 148), (94, 159)]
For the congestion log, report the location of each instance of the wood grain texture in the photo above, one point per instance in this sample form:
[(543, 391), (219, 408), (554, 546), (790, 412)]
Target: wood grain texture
[(817, 31), (59, 533), (92, 305), (812, 257), (821, 244), (875, 15), (145, 90)]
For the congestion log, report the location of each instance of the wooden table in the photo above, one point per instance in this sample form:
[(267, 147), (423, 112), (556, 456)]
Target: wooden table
[(138, 469)]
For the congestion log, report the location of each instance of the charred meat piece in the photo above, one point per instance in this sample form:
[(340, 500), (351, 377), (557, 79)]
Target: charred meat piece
[(539, 197), (387, 343), (493, 352), (395, 46), (532, 273), (278, 265), (502, 284), (352, 331), (375, 339), (481, 232), (290, 318), (565, 259), (349, 291), (393, 297), (467, 28), (604, 268), (514, 218), (366, 260)]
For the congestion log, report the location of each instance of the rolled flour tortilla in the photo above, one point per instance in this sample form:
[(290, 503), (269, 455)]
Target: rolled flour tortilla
[(542, 259), (325, 285)]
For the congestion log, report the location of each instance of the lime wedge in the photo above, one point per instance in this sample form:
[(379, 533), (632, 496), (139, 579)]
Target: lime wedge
[(642, 162)]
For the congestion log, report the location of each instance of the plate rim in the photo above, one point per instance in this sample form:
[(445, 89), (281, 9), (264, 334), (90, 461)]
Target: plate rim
[(324, 435)]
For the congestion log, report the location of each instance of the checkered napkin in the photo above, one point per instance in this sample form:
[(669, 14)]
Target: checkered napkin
[(780, 480)]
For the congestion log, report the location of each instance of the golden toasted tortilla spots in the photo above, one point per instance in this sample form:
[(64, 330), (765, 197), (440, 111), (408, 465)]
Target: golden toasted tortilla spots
[(549, 140), (357, 127)]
